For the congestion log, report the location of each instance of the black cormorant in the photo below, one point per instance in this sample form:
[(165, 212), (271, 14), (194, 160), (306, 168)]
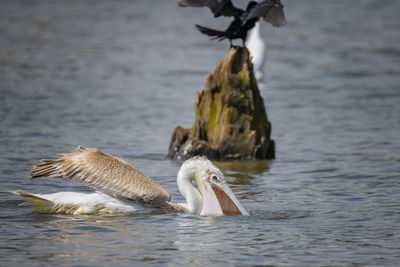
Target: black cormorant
[(244, 20)]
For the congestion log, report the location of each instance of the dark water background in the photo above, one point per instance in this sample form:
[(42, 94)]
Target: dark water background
[(120, 75)]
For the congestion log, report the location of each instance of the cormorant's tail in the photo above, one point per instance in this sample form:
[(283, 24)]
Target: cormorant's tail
[(210, 32)]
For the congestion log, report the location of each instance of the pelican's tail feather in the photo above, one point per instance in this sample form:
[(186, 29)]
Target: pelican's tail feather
[(41, 204), (45, 205), (74, 203)]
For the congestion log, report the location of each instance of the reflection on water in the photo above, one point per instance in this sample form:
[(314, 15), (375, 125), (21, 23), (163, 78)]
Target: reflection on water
[(239, 173), (245, 166), (120, 75)]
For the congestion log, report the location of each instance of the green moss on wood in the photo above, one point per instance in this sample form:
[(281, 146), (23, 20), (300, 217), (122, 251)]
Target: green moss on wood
[(231, 121)]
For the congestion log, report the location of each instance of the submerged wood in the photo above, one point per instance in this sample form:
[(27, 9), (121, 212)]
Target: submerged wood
[(231, 121)]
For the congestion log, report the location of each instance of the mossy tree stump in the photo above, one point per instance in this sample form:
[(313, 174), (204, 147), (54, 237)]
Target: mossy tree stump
[(231, 122)]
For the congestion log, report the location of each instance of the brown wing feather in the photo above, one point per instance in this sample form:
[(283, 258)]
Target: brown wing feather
[(105, 173)]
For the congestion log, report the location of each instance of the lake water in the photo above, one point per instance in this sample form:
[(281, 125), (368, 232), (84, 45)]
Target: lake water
[(120, 75)]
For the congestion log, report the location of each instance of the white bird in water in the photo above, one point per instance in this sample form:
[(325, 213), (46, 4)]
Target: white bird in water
[(256, 46), (121, 188)]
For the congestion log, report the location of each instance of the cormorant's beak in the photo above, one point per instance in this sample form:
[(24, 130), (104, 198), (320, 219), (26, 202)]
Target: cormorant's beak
[(218, 199)]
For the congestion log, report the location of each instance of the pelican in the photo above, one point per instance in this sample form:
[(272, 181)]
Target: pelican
[(121, 188)]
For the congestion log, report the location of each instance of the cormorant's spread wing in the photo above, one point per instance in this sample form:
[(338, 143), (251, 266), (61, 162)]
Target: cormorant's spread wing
[(105, 173), (270, 10), (211, 32), (193, 3), (218, 7), (223, 8)]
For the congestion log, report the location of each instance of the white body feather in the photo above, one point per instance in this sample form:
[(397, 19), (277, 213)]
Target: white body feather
[(256, 46), (81, 203)]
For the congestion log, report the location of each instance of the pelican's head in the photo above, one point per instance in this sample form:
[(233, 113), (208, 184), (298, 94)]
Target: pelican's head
[(217, 197)]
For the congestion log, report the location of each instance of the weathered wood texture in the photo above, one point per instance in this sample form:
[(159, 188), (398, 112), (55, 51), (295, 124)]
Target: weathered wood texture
[(231, 121)]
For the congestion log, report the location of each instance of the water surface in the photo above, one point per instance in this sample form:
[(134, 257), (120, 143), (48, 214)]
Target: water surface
[(120, 75)]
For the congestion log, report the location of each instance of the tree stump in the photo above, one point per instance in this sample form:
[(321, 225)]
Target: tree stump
[(231, 121)]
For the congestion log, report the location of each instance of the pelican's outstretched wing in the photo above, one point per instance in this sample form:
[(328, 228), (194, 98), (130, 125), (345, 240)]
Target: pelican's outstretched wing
[(105, 173)]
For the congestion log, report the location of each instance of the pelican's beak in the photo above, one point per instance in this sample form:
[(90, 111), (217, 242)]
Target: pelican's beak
[(199, 182), (230, 205), (218, 199), (211, 205)]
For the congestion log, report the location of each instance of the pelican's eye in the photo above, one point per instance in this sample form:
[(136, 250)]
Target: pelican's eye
[(215, 179)]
